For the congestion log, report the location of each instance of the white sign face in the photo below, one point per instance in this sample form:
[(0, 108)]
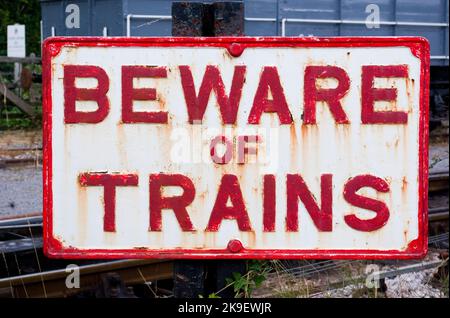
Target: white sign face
[(236, 147), (16, 40)]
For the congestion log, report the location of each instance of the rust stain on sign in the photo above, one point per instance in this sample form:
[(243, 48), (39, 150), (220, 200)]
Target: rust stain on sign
[(235, 147)]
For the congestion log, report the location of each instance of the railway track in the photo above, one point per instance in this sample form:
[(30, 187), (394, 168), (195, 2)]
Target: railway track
[(98, 280), (93, 277), (21, 241), (438, 180), (96, 277), (29, 274)]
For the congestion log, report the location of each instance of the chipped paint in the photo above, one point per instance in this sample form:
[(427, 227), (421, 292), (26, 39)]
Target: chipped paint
[(349, 178)]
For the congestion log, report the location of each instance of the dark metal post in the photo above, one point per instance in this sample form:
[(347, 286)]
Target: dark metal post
[(228, 18), (188, 278), (193, 278), (208, 19)]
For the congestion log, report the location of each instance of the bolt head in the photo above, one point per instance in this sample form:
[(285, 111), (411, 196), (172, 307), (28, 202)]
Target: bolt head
[(235, 246), (235, 49)]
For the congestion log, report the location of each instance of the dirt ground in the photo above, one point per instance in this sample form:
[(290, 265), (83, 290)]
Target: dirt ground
[(21, 184)]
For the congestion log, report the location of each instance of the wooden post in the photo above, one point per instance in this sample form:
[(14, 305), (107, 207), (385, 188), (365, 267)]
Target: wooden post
[(5, 91), (16, 100)]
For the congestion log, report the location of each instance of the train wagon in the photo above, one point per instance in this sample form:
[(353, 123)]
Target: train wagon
[(273, 18), (262, 18)]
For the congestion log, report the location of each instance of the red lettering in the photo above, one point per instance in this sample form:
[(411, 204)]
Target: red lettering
[(109, 183), (129, 94), (297, 188), (229, 189), (332, 96), (228, 154), (243, 149), (177, 203), (269, 203), (370, 94), (270, 80), (351, 187), (73, 94), (212, 81)]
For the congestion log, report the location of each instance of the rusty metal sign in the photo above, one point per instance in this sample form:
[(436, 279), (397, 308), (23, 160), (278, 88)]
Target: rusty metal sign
[(235, 147)]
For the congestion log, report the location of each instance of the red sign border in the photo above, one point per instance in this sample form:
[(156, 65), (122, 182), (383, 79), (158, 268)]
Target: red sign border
[(53, 248)]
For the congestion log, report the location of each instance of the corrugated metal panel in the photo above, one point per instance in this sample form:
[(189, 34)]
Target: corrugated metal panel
[(431, 11), (148, 26), (52, 13), (347, 18), (106, 13), (94, 16), (263, 18)]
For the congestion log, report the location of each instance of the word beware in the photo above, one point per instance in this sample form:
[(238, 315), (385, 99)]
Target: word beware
[(269, 81)]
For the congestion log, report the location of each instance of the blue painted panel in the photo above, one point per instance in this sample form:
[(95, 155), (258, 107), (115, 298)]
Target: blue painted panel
[(310, 9), (429, 11), (356, 9), (85, 18), (95, 14), (106, 13), (363, 10), (148, 27), (52, 12), (423, 11), (362, 30), (261, 9)]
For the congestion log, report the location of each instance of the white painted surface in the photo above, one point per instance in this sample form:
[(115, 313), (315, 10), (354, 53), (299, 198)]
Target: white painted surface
[(16, 40), (145, 148)]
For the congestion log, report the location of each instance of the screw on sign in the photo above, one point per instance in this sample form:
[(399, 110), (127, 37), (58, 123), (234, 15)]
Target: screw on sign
[(293, 148)]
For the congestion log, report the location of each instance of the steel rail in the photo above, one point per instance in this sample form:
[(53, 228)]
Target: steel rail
[(130, 271), (32, 219), (438, 214)]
